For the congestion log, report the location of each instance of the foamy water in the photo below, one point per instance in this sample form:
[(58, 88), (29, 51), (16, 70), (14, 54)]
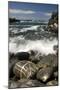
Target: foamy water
[(30, 28), (44, 46)]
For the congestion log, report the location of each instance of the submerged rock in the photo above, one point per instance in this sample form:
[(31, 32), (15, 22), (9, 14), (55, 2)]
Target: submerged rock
[(25, 69), (52, 83), (25, 83), (44, 74)]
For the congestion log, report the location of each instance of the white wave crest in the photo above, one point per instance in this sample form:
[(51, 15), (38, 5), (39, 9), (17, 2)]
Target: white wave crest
[(45, 47)]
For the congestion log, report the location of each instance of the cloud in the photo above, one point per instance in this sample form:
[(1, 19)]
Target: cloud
[(20, 11), (48, 14)]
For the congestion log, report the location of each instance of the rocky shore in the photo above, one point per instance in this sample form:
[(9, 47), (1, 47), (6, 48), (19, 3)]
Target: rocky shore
[(29, 73), (29, 69), (53, 23)]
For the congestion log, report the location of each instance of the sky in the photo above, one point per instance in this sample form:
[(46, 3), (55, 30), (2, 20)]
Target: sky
[(34, 11)]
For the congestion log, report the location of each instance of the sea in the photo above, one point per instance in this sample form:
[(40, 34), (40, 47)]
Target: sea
[(25, 37)]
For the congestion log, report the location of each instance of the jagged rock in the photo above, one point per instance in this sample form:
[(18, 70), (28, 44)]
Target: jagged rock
[(44, 74), (52, 83), (34, 56), (25, 83), (25, 69)]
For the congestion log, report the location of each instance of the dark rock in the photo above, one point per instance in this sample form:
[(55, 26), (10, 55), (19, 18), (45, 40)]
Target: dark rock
[(11, 55), (56, 74), (52, 83), (44, 74), (25, 69), (12, 84), (22, 55), (11, 65), (25, 83), (55, 47), (34, 56)]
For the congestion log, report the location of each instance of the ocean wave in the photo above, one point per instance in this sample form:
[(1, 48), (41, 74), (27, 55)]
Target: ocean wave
[(44, 46)]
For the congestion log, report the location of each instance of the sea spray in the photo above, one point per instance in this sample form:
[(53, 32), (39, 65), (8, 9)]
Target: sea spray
[(44, 46)]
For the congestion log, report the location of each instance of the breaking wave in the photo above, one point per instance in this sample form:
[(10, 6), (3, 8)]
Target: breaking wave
[(45, 46)]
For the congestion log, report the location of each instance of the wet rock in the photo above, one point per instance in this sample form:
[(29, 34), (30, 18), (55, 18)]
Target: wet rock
[(11, 55), (34, 56), (25, 69), (50, 60), (25, 83), (56, 74), (31, 83), (44, 63), (44, 74), (11, 65), (22, 55), (55, 47), (55, 63), (52, 83)]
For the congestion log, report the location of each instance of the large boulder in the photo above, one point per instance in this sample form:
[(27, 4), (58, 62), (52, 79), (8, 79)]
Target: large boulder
[(25, 69), (44, 74)]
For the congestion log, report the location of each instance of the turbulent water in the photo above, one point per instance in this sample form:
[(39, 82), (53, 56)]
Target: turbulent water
[(31, 37)]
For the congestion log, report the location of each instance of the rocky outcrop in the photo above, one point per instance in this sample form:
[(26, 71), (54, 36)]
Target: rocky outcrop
[(53, 23)]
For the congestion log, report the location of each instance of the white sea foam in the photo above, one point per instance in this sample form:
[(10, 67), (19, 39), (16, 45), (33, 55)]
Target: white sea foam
[(30, 28), (42, 46)]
